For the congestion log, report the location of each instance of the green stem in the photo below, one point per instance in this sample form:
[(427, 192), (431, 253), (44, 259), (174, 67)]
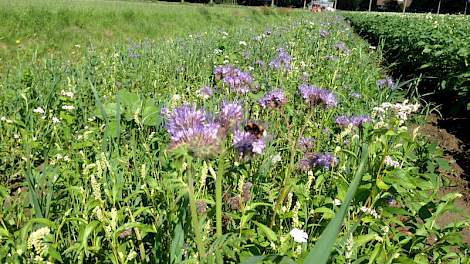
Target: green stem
[(194, 217), (218, 196), (290, 167)]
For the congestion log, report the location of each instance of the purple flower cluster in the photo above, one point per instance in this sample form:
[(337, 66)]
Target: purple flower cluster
[(247, 143), (282, 60), (317, 96), (231, 114), (324, 33), (317, 160), (273, 99), (386, 83), (192, 128), (239, 81), (356, 121)]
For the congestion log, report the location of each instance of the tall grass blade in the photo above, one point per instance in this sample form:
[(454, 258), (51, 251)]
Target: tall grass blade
[(322, 249)]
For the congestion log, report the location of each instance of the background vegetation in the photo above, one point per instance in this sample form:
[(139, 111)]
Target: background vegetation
[(434, 48), (114, 148)]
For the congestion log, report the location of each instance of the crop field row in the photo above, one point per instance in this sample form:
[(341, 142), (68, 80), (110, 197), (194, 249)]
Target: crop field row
[(266, 141), (434, 48)]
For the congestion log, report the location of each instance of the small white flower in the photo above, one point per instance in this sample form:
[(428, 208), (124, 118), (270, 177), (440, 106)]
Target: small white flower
[(68, 107), (3, 118), (58, 157), (16, 136), (226, 61), (217, 51), (372, 47), (68, 94), (66, 158), (299, 236), (55, 120), (225, 33), (243, 43), (39, 110), (337, 202), (276, 158)]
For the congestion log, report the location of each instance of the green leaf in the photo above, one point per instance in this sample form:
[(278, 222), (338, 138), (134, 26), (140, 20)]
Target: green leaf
[(327, 213), (267, 231), (176, 249)]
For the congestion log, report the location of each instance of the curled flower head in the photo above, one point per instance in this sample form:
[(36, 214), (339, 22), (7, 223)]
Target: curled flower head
[(230, 114), (239, 81), (342, 47), (306, 143), (247, 143), (192, 128), (281, 61), (207, 91), (324, 33), (317, 96), (317, 160), (273, 99)]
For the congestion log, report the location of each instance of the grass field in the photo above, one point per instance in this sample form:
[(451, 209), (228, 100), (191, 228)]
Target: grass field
[(243, 135), (58, 27)]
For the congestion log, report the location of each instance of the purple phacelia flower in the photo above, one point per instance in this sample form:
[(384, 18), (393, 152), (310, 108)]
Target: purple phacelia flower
[(192, 128), (355, 121), (231, 114), (282, 60), (324, 33), (207, 91), (273, 99), (247, 144), (305, 143), (386, 83), (239, 81), (317, 160), (317, 96)]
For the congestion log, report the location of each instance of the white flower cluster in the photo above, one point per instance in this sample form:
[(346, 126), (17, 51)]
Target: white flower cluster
[(400, 110), (68, 94), (370, 211), (299, 236), (6, 120), (36, 242)]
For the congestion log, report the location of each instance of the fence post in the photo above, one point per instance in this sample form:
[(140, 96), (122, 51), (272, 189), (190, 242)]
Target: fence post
[(404, 6)]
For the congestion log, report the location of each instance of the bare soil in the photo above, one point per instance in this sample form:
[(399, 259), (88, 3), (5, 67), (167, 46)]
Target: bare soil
[(456, 146)]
